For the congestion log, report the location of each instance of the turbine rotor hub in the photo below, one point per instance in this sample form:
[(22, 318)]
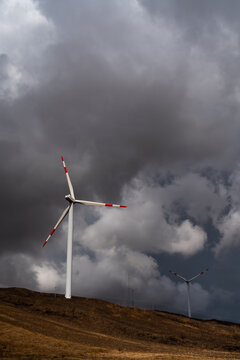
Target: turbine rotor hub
[(70, 199)]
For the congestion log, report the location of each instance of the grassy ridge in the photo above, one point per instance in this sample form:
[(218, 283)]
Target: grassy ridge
[(41, 326)]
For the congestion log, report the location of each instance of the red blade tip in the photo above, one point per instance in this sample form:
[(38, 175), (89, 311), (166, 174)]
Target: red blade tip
[(123, 206), (44, 244), (62, 158)]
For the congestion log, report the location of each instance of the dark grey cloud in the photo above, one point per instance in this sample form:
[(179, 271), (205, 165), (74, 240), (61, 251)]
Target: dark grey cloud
[(142, 100), (198, 19)]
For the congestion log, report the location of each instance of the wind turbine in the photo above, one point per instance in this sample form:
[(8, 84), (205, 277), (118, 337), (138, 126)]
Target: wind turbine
[(188, 285), (72, 201)]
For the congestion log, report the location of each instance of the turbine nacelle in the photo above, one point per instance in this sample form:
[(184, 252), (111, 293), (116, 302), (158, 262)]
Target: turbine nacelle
[(70, 199)]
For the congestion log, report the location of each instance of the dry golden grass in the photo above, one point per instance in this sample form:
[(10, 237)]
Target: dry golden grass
[(39, 326)]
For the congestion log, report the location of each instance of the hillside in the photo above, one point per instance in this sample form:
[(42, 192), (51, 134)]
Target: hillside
[(36, 325)]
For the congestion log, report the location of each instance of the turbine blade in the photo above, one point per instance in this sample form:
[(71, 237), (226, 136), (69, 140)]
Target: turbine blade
[(177, 275), (201, 273), (84, 202), (68, 178), (58, 223)]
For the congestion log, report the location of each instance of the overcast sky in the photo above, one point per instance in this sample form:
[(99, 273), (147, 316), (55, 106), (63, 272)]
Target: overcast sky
[(142, 98)]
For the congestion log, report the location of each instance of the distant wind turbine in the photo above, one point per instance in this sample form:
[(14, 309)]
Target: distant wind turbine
[(72, 201), (188, 285)]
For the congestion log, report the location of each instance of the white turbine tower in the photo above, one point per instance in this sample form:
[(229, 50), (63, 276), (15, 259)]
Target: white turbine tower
[(72, 201), (188, 285)]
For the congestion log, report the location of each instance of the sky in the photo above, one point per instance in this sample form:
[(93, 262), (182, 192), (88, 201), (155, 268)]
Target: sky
[(142, 99)]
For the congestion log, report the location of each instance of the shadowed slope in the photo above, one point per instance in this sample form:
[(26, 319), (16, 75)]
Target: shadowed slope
[(41, 326)]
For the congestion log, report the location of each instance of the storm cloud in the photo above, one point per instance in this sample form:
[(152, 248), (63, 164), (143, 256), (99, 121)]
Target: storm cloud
[(142, 100)]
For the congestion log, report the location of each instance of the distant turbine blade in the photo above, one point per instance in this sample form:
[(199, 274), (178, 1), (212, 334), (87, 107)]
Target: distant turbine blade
[(68, 178), (201, 273), (58, 223), (84, 202), (179, 276)]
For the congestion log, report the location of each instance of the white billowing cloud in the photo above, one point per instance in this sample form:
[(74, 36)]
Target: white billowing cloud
[(108, 271), (170, 218), (48, 277), (229, 228), (23, 29), (24, 35), (121, 275), (147, 225), (190, 239), (10, 78)]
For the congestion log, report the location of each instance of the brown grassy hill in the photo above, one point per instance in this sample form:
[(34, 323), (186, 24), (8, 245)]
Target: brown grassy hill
[(36, 325)]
